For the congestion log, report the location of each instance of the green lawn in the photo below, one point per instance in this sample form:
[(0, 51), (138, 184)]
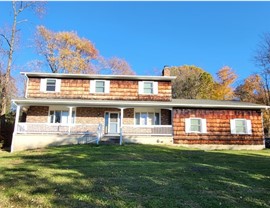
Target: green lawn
[(134, 176)]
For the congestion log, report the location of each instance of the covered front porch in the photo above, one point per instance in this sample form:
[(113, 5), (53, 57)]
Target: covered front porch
[(140, 124)]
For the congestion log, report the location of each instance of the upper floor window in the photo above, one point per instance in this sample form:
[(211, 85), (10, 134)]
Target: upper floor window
[(50, 85), (195, 125), (148, 87), (240, 126), (99, 86)]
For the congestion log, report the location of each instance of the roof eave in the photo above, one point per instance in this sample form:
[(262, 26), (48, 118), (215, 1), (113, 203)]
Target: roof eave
[(103, 103), (98, 76)]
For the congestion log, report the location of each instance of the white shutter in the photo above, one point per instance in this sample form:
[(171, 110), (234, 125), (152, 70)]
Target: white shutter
[(249, 127), (107, 86), (232, 123), (140, 83), (155, 88), (58, 85), (92, 86), (187, 125), (43, 85), (203, 126)]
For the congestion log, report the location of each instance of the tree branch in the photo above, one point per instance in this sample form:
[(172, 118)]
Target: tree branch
[(6, 39)]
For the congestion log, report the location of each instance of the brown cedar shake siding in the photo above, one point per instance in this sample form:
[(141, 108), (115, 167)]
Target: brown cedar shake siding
[(80, 89), (218, 127)]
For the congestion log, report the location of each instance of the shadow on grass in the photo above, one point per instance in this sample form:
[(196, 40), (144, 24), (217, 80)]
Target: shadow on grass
[(135, 176)]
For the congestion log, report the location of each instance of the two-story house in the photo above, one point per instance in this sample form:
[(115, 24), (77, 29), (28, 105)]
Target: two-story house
[(63, 109)]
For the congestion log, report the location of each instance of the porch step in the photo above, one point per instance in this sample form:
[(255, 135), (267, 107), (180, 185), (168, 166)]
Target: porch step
[(110, 140)]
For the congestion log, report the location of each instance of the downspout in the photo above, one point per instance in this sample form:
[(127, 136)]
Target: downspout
[(121, 125), (26, 88), (263, 128)]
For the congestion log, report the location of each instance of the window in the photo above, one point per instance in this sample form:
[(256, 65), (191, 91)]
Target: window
[(99, 86), (195, 125), (57, 116), (50, 85), (241, 126), (148, 87), (147, 118)]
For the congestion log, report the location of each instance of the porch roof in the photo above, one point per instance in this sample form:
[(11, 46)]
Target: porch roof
[(98, 76), (184, 103)]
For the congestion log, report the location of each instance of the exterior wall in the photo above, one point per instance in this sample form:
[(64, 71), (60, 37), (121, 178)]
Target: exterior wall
[(37, 114), (218, 127), (24, 142), (90, 115), (84, 115), (80, 89), (166, 117), (168, 140)]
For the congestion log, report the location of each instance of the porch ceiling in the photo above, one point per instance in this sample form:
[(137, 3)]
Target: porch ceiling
[(184, 103)]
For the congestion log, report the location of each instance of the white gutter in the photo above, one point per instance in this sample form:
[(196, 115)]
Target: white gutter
[(97, 76), (109, 103)]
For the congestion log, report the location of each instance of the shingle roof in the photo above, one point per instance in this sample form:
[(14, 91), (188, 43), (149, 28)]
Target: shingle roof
[(184, 103), (98, 76)]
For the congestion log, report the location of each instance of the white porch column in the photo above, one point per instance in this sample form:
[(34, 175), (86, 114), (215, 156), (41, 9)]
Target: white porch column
[(121, 125), (69, 119), (18, 110)]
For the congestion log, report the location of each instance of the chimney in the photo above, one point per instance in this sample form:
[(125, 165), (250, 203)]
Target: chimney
[(166, 71)]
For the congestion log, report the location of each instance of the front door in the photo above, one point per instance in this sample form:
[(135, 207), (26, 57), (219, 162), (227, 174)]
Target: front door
[(112, 123)]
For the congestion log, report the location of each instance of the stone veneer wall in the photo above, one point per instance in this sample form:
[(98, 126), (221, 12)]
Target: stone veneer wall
[(218, 127), (89, 115), (37, 114)]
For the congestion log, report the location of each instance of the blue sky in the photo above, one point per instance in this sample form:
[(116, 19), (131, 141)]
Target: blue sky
[(150, 35)]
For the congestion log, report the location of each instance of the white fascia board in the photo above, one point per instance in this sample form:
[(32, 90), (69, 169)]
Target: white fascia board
[(98, 76), (112, 103)]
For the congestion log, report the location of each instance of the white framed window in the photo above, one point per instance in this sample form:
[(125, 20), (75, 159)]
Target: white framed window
[(147, 118), (61, 116), (240, 126), (195, 125), (50, 85), (148, 87), (99, 86)]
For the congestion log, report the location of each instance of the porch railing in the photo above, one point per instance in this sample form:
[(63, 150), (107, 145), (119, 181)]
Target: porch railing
[(45, 128), (90, 129), (147, 130)]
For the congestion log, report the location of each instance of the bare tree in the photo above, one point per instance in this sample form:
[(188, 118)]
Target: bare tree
[(9, 40)]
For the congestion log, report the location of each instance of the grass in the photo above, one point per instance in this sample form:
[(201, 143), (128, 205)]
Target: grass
[(134, 176)]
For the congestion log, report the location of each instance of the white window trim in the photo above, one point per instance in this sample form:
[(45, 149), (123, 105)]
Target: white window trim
[(93, 86), (203, 126), (43, 85), (141, 88), (247, 123), (147, 112), (61, 109)]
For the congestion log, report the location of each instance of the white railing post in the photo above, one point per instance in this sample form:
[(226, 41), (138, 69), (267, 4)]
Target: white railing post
[(69, 119), (121, 125), (99, 133)]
